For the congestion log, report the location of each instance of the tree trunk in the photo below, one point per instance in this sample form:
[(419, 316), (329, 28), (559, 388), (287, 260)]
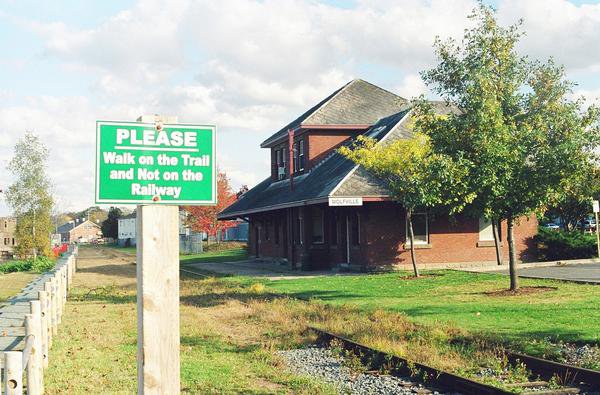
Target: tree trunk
[(412, 242), (34, 241), (495, 225), (512, 262)]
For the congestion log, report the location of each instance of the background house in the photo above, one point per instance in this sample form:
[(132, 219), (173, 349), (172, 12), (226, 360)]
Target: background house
[(8, 226), (127, 226), (79, 231)]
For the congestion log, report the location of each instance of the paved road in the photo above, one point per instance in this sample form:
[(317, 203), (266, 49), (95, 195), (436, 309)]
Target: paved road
[(589, 272)]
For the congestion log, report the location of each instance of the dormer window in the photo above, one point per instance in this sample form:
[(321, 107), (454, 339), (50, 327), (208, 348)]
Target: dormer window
[(280, 161), (298, 156)]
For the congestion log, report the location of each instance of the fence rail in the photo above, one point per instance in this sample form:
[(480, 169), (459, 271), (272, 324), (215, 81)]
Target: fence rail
[(28, 321)]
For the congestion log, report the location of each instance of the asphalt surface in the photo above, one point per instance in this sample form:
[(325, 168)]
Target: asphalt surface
[(588, 272)]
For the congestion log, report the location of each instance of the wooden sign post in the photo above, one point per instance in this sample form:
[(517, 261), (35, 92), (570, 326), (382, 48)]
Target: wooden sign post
[(157, 164), (158, 299)]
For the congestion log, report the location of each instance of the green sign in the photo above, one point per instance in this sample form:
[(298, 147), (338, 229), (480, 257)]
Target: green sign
[(144, 163)]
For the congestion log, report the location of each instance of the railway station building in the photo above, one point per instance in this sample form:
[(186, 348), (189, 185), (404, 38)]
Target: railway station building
[(318, 210)]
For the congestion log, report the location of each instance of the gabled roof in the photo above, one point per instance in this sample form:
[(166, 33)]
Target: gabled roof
[(358, 103), (69, 226), (327, 178)]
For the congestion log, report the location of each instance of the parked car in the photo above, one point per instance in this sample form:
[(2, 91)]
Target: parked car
[(551, 225), (588, 225)]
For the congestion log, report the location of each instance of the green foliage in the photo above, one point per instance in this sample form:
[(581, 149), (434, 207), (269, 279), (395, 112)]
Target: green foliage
[(513, 120), (110, 226), (573, 203), (559, 244), (416, 176), (29, 197), (39, 265)]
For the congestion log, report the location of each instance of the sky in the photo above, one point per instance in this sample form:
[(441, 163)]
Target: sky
[(249, 67)]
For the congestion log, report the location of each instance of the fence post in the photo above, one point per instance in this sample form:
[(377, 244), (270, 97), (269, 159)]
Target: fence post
[(65, 285), (54, 306), (43, 296), (48, 289), (13, 373), (58, 290), (35, 362)]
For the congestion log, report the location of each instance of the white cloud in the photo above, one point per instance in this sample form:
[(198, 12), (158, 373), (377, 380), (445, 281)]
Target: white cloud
[(412, 86), (558, 28), (250, 67)]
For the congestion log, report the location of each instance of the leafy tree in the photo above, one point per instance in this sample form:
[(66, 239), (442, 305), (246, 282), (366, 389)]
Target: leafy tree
[(573, 204), (416, 177), (29, 197), (517, 125), (110, 226), (204, 218)]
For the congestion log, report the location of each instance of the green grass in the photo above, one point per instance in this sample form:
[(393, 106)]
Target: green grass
[(12, 283), (568, 313), (230, 255), (221, 352)]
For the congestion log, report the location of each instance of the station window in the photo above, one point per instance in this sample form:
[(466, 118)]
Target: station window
[(334, 230), (355, 229), (299, 156), (420, 228), (318, 231), (486, 232)]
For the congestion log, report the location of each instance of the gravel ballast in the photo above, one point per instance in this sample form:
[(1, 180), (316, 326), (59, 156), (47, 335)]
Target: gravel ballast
[(321, 363)]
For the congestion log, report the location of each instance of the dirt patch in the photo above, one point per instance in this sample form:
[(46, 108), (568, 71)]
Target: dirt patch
[(520, 291)]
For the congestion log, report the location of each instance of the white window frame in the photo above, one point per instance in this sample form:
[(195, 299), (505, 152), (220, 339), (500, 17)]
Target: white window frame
[(485, 229), (301, 155), (418, 242)]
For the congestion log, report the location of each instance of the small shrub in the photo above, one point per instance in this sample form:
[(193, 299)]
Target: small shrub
[(39, 265), (15, 266), (257, 288), (554, 245), (42, 264)]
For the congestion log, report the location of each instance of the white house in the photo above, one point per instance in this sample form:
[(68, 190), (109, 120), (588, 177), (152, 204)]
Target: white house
[(126, 230)]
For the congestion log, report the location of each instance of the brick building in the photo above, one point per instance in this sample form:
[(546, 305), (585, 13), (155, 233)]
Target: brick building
[(8, 226), (332, 213), (79, 231)]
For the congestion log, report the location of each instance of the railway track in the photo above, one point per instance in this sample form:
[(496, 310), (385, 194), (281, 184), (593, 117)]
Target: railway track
[(548, 377), (574, 380)]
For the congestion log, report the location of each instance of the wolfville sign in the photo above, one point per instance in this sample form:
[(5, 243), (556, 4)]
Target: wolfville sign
[(146, 163)]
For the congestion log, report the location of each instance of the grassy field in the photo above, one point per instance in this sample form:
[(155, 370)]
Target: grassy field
[(222, 337), (229, 255), (231, 327), (565, 311), (12, 283), (227, 252)]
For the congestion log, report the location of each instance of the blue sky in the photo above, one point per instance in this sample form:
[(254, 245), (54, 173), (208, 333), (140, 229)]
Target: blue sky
[(248, 66)]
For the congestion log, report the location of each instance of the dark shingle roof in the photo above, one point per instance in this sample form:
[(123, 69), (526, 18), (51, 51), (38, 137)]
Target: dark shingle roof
[(356, 103), (64, 228), (318, 184)]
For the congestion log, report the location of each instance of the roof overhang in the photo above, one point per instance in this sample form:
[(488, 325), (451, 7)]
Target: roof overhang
[(303, 127), (300, 203)]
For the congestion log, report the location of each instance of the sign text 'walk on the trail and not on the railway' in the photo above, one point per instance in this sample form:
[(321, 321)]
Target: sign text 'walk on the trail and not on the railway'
[(145, 163)]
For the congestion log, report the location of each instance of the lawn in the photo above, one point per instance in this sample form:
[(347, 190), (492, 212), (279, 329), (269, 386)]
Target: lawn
[(228, 255), (12, 283), (221, 344), (232, 327), (568, 312)]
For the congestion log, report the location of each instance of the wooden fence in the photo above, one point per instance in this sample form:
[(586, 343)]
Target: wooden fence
[(28, 321)]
